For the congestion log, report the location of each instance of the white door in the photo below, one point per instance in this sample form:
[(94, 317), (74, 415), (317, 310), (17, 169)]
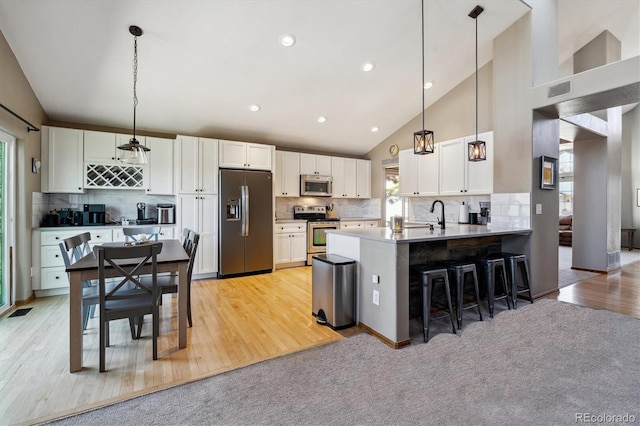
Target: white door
[(233, 154), (208, 153), (282, 248), (99, 147), (208, 246), (259, 156)]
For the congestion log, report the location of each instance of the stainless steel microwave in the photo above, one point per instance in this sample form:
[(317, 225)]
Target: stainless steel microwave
[(316, 185)]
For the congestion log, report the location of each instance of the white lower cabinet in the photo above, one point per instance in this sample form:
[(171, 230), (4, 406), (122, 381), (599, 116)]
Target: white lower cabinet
[(290, 241), (200, 213), (48, 265)]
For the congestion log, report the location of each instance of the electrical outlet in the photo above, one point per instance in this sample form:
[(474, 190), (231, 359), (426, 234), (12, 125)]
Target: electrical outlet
[(376, 297), (375, 279), (538, 208)]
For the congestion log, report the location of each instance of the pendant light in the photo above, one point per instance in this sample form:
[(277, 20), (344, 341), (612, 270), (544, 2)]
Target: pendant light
[(134, 152), (477, 148), (423, 139)]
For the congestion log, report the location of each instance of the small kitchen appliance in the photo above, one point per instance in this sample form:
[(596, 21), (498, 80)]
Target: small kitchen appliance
[(485, 213), (166, 213), (141, 209), (93, 214)]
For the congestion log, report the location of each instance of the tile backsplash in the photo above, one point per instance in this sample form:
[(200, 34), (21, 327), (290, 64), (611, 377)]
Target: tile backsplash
[(511, 209), (418, 208), (117, 203), (360, 208)]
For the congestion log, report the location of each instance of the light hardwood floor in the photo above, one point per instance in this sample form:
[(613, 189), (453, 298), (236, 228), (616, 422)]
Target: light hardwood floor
[(237, 322), (617, 292)]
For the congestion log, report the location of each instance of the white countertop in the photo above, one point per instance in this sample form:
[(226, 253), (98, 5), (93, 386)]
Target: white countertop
[(420, 234)]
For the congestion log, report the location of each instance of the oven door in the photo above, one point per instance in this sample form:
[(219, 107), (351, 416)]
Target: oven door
[(317, 236)]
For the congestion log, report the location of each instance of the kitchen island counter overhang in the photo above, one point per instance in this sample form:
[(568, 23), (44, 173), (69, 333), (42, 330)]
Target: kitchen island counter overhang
[(387, 257)]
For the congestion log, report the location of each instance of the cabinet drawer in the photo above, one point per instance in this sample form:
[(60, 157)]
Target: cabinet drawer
[(287, 228), (99, 237), (166, 233), (51, 256), (53, 278), (352, 224), (371, 223), (53, 238)]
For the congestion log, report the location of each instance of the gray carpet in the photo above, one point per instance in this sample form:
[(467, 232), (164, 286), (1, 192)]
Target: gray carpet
[(539, 365)]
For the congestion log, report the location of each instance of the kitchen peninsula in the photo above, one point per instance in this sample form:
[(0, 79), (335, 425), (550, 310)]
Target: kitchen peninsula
[(384, 260)]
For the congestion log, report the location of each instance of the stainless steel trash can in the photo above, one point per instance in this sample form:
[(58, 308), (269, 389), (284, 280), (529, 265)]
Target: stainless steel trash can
[(333, 292)]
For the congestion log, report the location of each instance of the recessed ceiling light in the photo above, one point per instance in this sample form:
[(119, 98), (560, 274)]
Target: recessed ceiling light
[(428, 85), (374, 129), (322, 119), (287, 40), (368, 66), (254, 108)]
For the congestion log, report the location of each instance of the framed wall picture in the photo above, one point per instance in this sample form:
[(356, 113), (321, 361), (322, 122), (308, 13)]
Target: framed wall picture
[(548, 172)]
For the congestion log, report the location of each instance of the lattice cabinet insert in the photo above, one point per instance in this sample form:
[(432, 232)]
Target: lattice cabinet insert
[(114, 176)]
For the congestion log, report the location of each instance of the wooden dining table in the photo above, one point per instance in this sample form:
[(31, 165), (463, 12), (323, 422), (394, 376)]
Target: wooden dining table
[(173, 258)]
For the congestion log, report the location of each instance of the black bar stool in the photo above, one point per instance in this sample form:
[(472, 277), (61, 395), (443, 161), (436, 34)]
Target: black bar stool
[(493, 266), (459, 271), (429, 277), (518, 262)]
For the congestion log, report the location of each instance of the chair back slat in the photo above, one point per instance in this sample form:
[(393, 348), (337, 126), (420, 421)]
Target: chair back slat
[(75, 248), (128, 273), (194, 239), (132, 233)]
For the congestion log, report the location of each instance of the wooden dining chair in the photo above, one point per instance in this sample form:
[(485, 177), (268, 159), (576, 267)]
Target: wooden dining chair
[(133, 233), (129, 304), (73, 249), (168, 284)]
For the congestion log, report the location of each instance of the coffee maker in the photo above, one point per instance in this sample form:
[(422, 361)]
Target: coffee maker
[(141, 210), (485, 213)]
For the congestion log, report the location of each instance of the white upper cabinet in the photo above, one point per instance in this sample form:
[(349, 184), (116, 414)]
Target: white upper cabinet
[(480, 173), (287, 176), (62, 160), (344, 177), (311, 164), (244, 155), (196, 165), (419, 173), (458, 175), (363, 178), (159, 179), (102, 147), (452, 167)]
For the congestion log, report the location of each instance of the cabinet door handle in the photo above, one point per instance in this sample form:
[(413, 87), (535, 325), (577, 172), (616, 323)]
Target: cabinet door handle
[(57, 255)]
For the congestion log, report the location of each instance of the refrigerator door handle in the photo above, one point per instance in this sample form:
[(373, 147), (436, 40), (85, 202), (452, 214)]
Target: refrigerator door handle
[(245, 210)]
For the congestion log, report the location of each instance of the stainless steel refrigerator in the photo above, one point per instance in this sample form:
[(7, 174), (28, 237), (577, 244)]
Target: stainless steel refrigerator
[(246, 222)]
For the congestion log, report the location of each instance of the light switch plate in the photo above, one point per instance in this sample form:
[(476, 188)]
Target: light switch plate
[(375, 279), (538, 208), (376, 297)]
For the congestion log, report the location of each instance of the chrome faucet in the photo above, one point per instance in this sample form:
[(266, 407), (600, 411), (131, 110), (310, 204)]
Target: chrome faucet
[(433, 206)]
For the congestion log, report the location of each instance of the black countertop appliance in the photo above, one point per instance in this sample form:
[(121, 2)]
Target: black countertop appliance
[(93, 215)]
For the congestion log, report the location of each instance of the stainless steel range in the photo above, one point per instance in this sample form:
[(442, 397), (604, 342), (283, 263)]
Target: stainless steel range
[(317, 225)]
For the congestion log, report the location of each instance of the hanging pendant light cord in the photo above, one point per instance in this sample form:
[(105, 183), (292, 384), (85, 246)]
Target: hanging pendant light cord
[(135, 80), (422, 91), (476, 19)]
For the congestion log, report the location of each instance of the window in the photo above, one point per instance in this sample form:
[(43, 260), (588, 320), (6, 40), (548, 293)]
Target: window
[(394, 204), (7, 143), (565, 169)]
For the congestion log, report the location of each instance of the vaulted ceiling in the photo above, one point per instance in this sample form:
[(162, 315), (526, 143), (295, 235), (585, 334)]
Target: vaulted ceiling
[(203, 63)]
